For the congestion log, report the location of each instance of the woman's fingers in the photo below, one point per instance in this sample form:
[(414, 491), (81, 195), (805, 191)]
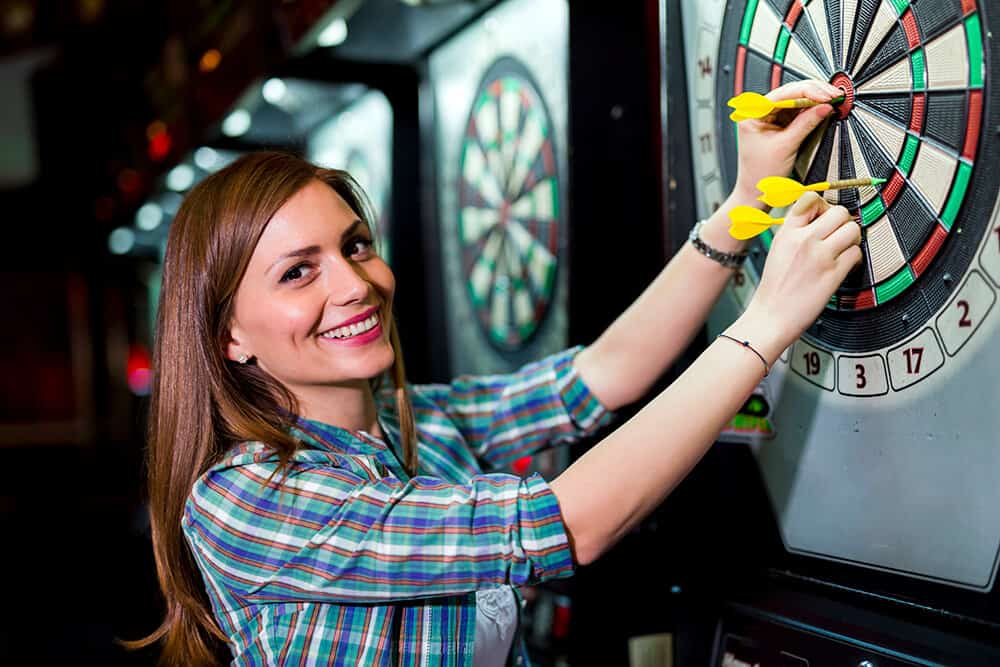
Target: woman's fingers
[(818, 91), (806, 121), (805, 210), (844, 236), (848, 259), (830, 221)]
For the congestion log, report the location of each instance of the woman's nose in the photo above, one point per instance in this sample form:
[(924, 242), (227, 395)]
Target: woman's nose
[(347, 282)]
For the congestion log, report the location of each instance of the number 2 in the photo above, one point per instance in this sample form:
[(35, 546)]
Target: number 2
[(964, 321)]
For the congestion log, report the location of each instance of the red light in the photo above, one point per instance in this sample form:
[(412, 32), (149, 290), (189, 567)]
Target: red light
[(159, 146), (210, 60), (137, 370), (129, 181), (521, 465)]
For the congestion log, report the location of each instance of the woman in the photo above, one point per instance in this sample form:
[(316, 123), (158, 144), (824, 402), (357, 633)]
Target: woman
[(301, 513)]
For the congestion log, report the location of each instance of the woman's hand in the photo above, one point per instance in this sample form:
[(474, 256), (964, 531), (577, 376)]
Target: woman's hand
[(768, 146), (810, 256)]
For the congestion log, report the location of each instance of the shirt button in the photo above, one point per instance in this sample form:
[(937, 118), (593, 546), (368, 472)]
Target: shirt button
[(520, 660)]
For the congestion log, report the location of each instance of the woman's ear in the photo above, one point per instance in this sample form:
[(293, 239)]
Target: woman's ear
[(234, 349)]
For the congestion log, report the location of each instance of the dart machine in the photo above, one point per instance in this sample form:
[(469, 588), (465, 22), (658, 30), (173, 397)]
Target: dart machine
[(870, 457)]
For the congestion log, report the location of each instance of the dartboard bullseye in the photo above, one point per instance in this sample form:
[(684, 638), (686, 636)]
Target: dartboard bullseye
[(508, 206), (914, 77)]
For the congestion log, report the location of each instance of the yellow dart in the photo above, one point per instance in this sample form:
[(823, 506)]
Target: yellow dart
[(754, 105), (748, 222), (780, 191)]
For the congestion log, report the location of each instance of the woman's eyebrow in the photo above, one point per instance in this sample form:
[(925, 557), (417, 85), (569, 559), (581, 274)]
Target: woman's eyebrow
[(354, 225), (315, 249), (301, 252)]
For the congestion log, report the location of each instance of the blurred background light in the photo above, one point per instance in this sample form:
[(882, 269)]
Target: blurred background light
[(333, 34), (210, 60), (274, 90), (180, 177), (121, 240), (149, 216), (137, 370), (205, 158), (236, 123), (170, 202)]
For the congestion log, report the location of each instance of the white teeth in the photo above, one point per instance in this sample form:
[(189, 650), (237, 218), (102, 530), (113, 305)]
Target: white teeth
[(352, 329)]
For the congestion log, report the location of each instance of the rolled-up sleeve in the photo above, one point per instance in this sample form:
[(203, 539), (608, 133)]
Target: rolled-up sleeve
[(325, 534), (504, 417)]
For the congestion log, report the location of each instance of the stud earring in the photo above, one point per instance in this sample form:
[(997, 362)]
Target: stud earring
[(243, 358)]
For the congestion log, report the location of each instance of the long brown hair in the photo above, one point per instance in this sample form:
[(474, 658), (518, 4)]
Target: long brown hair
[(201, 402)]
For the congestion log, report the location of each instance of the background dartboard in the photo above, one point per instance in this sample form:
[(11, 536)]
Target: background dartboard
[(915, 78), (508, 205)]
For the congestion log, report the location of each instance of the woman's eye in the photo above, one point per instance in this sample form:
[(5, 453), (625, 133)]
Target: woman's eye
[(294, 273), (360, 246)]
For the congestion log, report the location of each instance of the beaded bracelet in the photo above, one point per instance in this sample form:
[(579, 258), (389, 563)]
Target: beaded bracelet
[(730, 260), (747, 345)]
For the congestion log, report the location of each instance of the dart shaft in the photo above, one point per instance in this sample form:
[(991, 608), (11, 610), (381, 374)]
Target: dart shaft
[(854, 183), (804, 103)]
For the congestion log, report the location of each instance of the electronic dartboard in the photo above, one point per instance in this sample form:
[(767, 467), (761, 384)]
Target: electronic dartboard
[(881, 448), (500, 109)]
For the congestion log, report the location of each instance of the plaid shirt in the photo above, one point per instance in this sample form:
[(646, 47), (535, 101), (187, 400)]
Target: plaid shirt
[(351, 561)]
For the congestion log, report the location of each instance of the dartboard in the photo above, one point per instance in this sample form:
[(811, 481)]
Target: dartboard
[(508, 206), (889, 396), (915, 80)]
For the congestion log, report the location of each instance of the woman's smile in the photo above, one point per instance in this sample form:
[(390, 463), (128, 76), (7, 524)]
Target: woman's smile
[(360, 330)]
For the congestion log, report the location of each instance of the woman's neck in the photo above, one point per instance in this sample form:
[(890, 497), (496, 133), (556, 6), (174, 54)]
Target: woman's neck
[(349, 407)]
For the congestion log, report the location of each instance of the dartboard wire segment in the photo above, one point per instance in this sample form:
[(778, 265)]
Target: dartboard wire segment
[(509, 206), (914, 79)]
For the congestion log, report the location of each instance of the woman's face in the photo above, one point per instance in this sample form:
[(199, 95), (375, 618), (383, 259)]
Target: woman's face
[(314, 305)]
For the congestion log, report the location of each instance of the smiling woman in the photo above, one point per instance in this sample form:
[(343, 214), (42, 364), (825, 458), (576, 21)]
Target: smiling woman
[(292, 517), (267, 263)]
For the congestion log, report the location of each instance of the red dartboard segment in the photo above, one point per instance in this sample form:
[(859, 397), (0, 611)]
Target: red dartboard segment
[(861, 301), (741, 63), (794, 12), (892, 189), (929, 251), (917, 114), (974, 124), (910, 28)]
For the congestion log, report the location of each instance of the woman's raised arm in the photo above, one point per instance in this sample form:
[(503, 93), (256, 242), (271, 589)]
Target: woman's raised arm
[(632, 353), (623, 478)]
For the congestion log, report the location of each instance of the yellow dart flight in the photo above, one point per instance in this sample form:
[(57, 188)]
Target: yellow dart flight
[(748, 222)]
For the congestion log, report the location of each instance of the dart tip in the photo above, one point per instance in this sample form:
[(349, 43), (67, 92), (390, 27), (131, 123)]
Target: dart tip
[(838, 100), (879, 181)]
